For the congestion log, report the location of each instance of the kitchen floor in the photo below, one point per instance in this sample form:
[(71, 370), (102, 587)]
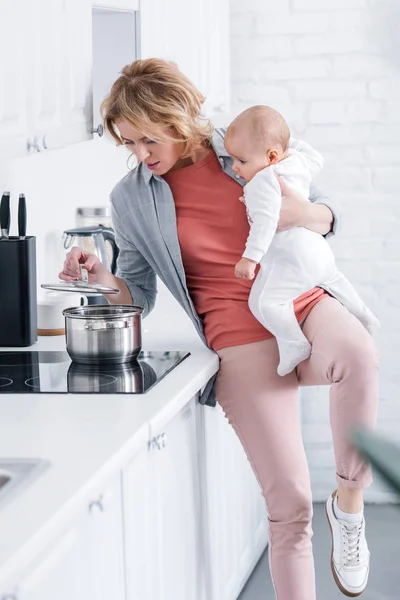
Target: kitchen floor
[(383, 534)]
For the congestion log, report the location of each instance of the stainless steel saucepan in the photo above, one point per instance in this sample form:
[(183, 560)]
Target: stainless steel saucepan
[(99, 333)]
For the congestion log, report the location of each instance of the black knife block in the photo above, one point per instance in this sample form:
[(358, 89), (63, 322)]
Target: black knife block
[(18, 293)]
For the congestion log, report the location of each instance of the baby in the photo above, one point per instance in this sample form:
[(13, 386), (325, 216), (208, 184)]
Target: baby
[(291, 262)]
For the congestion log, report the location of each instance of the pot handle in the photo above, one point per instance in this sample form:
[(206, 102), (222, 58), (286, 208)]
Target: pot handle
[(104, 325)]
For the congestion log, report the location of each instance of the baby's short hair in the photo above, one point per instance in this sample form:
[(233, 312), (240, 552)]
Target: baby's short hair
[(265, 125)]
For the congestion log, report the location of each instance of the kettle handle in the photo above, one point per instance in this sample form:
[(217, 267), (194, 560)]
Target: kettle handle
[(109, 236), (68, 240)]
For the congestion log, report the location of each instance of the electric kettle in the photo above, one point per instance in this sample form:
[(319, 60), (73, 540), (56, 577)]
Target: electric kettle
[(96, 239)]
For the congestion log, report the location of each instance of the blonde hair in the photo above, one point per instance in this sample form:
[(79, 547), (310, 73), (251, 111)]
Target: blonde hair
[(264, 124), (153, 95)]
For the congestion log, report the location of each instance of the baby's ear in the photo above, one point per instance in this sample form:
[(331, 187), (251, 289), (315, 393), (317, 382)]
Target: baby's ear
[(273, 156)]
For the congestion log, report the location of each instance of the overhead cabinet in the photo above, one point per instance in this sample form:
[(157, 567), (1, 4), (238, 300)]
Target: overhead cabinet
[(45, 75), (60, 57), (195, 36)]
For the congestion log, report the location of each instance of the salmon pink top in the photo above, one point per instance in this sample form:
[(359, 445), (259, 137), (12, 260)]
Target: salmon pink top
[(212, 231)]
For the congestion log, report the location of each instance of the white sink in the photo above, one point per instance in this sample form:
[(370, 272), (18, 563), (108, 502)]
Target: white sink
[(16, 474)]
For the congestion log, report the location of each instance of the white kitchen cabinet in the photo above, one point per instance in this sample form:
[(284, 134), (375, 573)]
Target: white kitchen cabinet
[(59, 81), (114, 36), (184, 520), (105, 543), (162, 516), (214, 80), (46, 86), (45, 81), (235, 512), (14, 52), (61, 571), (85, 561), (194, 36), (140, 528)]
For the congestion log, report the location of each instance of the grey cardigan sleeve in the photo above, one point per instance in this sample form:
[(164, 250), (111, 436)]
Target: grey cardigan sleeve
[(133, 268), (319, 198)]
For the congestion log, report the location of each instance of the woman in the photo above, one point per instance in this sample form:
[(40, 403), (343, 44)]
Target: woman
[(178, 215)]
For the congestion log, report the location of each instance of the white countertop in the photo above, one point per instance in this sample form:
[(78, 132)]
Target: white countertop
[(86, 438)]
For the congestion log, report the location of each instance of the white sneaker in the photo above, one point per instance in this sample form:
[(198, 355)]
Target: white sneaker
[(350, 554)]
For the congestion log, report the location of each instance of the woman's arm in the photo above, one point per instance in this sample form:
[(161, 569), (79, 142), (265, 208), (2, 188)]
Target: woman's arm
[(318, 218), (318, 215), (136, 279)]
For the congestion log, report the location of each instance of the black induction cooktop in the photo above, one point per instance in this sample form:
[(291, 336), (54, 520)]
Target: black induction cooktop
[(38, 372)]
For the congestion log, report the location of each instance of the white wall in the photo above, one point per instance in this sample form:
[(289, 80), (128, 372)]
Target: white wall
[(332, 67)]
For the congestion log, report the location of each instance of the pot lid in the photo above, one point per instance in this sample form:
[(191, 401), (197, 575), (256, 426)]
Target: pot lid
[(83, 286)]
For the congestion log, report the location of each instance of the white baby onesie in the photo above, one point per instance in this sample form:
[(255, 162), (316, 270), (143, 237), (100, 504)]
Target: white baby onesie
[(292, 262)]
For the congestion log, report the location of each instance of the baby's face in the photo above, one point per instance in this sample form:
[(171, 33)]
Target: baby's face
[(248, 158)]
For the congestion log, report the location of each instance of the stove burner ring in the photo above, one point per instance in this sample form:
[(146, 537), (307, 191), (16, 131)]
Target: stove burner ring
[(102, 380), (5, 381), (34, 384)]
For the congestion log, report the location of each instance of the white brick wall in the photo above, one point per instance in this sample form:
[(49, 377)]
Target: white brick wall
[(332, 67)]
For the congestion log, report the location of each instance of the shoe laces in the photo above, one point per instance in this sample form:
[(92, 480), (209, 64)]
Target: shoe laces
[(351, 533)]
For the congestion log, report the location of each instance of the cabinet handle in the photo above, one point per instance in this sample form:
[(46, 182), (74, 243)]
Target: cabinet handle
[(97, 505), (99, 130), (38, 143), (159, 442), (155, 442)]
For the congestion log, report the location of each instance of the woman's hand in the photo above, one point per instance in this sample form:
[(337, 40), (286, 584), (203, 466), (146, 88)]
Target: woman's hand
[(97, 273), (297, 212), (75, 257), (294, 210)]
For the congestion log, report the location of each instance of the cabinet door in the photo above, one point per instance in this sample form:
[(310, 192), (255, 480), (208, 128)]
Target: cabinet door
[(176, 488), (86, 561), (105, 543), (163, 518), (170, 30), (77, 93), (62, 571), (140, 526), (59, 82), (236, 519), (197, 40), (46, 77), (15, 54), (215, 67)]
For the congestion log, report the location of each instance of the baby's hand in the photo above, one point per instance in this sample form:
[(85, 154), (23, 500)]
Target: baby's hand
[(242, 199), (245, 269)]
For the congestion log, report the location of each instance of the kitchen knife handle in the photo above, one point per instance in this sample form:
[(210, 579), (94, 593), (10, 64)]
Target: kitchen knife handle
[(5, 214), (22, 216)]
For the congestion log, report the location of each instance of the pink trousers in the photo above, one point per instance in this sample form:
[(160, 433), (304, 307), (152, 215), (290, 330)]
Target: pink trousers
[(263, 409)]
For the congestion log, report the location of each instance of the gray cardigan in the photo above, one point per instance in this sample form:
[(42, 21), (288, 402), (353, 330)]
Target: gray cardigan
[(144, 220)]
